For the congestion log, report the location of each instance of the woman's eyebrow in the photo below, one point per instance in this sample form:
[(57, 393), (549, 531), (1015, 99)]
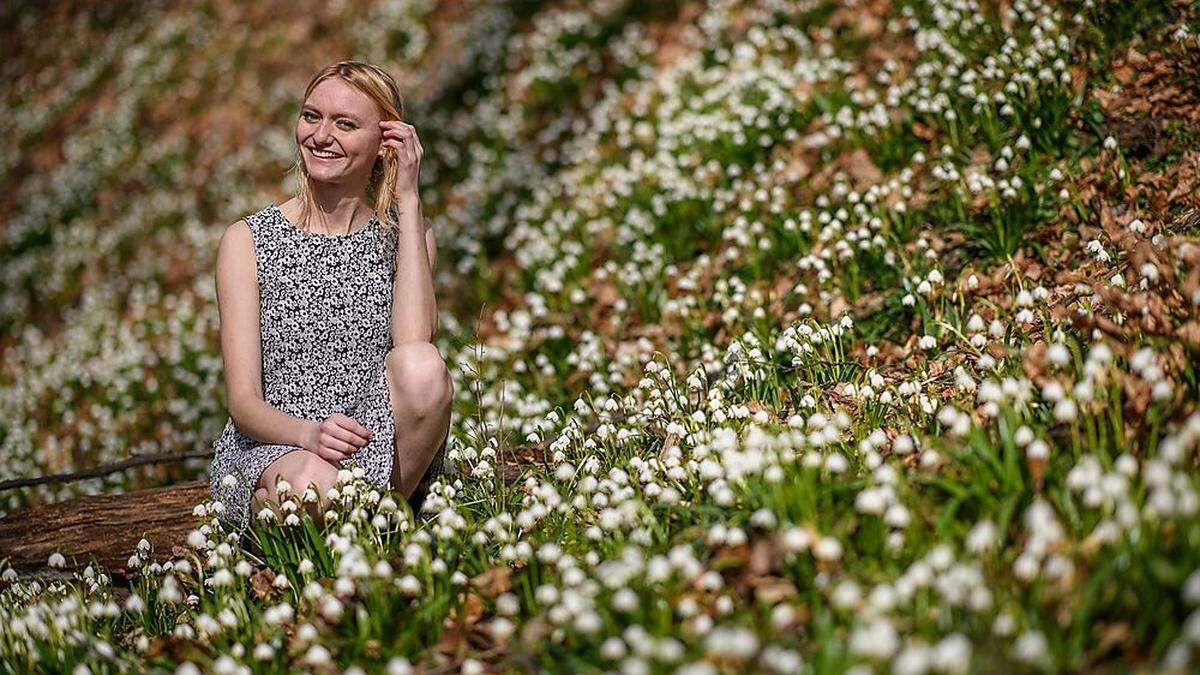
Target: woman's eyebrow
[(341, 114)]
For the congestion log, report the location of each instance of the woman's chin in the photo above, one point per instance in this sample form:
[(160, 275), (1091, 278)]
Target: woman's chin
[(326, 174)]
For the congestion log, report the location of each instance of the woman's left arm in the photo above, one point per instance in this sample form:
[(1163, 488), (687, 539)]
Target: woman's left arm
[(431, 252), (414, 308)]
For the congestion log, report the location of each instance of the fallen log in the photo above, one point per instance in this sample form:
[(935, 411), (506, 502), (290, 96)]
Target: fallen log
[(104, 529)]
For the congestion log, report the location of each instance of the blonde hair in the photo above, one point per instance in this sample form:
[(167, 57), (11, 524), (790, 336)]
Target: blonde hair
[(381, 88)]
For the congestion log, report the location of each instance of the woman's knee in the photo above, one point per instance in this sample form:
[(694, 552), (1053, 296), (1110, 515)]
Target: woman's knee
[(419, 376), (300, 468)]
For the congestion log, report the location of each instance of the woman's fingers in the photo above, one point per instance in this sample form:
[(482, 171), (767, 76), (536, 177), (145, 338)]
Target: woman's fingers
[(402, 149), (335, 443), (406, 134), (331, 456), (350, 430), (342, 446), (339, 446)]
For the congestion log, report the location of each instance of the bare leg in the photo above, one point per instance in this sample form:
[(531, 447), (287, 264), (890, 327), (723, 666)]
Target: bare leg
[(422, 392), (299, 468)]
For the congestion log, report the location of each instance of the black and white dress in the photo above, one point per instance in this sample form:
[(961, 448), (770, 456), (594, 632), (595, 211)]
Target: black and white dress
[(325, 322)]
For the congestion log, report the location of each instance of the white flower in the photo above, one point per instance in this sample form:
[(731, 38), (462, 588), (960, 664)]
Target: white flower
[(331, 609), (1065, 410), (1058, 354), (846, 595), (625, 600), (197, 539), (870, 500), (914, 660), (1030, 647), (317, 656), (409, 585), (877, 640), (398, 665), (264, 652), (222, 577), (507, 604), (732, 641), (57, 560), (588, 622), (134, 604), (612, 648), (169, 593), (897, 516), (225, 664), (828, 548), (981, 537)]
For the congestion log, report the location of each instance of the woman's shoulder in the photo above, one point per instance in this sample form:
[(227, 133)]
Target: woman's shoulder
[(257, 220), (249, 228)]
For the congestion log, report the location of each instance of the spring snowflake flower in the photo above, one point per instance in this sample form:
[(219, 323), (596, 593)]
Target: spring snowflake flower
[(733, 641), (134, 604), (196, 539), (263, 652), (317, 656), (828, 548), (1031, 647), (612, 649), (876, 640), (982, 537), (398, 665)]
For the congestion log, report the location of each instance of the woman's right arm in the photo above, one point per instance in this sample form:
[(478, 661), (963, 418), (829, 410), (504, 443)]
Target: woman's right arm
[(241, 346)]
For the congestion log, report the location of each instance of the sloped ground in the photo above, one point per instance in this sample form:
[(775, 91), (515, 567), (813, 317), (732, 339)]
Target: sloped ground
[(831, 336)]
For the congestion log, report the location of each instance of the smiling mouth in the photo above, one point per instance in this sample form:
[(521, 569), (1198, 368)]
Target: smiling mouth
[(322, 155)]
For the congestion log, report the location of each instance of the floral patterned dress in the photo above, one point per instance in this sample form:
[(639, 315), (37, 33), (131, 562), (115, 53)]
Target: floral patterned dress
[(325, 323)]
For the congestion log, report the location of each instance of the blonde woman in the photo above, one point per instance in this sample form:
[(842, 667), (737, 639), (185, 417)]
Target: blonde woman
[(327, 312)]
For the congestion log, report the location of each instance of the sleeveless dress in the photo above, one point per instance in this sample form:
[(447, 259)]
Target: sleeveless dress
[(325, 322)]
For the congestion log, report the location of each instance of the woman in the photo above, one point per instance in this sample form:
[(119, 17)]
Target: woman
[(327, 311)]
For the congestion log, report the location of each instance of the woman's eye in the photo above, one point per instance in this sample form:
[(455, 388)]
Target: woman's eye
[(310, 117)]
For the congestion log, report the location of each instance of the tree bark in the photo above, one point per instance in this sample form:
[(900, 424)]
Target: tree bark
[(104, 529)]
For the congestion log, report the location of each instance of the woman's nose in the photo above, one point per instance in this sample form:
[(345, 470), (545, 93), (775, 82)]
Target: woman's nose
[(322, 136)]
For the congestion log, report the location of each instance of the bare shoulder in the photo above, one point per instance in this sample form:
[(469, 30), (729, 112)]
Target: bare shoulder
[(237, 235), (237, 244)]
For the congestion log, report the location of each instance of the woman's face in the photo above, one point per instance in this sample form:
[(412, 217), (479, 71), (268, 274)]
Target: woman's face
[(338, 133)]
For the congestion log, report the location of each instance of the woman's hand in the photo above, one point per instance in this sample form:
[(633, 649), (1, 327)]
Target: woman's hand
[(400, 139), (336, 437)]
